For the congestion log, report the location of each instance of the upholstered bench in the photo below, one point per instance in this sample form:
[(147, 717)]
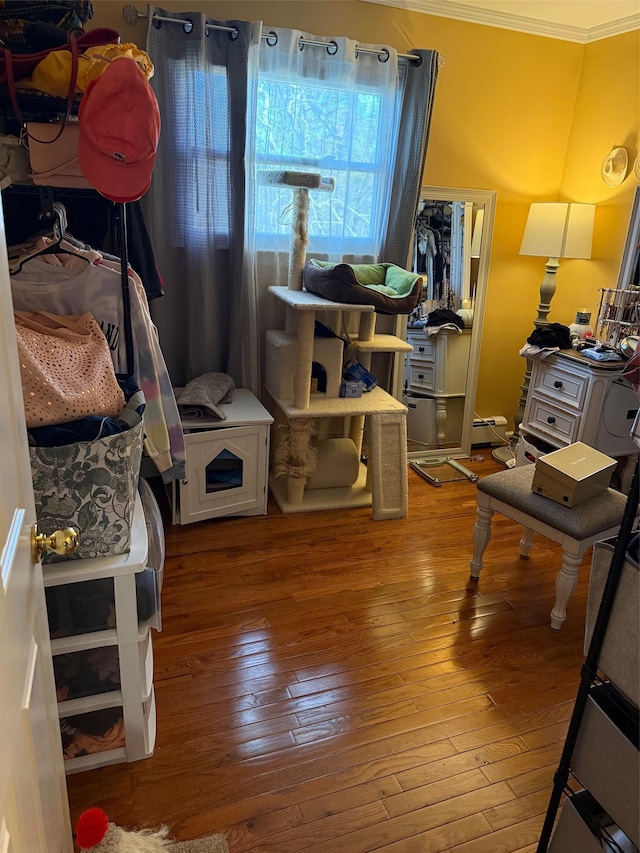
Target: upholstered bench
[(574, 528)]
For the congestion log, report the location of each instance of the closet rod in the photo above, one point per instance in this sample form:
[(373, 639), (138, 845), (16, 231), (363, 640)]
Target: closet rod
[(131, 14)]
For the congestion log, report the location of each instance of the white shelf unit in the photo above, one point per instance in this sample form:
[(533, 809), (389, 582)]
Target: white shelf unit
[(382, 483), (133, 694), (227, 463)]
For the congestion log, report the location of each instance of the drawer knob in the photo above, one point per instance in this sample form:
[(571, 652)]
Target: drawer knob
[(421, 376), (551, 420), (420, 349), (557, 384)]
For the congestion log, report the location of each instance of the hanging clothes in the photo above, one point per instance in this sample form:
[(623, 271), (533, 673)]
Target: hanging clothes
[(90, 218), (87, 281)]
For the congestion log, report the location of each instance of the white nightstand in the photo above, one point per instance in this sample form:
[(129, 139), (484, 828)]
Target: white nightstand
[(573, 398), (227, 463)]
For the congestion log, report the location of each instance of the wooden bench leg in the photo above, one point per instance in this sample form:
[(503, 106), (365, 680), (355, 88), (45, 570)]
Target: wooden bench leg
[(566, 582), (526, 542), (481, 537)]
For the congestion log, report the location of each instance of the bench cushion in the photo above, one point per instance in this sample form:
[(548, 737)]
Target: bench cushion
[(513, 487)]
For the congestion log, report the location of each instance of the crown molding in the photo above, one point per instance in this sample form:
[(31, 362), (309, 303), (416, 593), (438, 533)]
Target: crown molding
[(511, 21), (614, 28)]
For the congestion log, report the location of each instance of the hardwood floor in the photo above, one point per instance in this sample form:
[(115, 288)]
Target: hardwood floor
[(330, 684)]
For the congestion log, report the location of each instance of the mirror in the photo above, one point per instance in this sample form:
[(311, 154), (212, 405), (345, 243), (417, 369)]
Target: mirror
[(619, 310), (629, 275), (451, 249)]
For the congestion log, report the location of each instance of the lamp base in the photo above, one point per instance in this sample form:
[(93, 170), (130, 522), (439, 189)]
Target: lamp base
[(505, 455)]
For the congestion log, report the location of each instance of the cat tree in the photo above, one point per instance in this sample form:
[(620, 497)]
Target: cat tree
[(343, 480)]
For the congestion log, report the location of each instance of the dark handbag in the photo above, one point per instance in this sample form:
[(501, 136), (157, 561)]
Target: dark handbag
[(23, 63), (17, 66)]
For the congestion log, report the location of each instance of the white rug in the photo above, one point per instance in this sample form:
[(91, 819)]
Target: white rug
[(210, 844)]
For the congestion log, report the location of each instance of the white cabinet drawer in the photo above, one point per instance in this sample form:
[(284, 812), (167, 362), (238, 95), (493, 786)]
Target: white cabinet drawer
[(558, 425), (563, 387), (422, 377), (423, 348)]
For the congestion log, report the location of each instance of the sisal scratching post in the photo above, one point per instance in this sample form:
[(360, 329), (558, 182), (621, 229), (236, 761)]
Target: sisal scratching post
[(388, 465), (300, 183), (295, 458)]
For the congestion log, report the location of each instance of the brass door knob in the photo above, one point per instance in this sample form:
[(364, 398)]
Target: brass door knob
[(63, 542)]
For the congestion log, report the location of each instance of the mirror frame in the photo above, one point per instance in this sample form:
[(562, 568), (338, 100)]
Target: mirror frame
[(487, 200), (630, 250)]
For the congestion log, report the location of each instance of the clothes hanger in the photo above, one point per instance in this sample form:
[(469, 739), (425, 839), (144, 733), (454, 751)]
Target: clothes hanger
[(55, 248)]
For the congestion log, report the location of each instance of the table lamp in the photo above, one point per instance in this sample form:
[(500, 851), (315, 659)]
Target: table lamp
[(554, 230)]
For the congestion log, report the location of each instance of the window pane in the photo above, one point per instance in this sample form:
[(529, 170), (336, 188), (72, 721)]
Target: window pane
[(320, 128), (203, 172)]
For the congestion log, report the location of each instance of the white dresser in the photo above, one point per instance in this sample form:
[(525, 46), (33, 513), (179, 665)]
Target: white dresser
[(573, 398)]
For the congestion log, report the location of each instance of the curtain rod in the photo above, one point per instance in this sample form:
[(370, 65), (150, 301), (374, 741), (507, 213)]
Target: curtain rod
[(131, 15)]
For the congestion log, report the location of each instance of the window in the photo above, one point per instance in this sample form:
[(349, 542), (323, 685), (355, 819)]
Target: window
[(343, 134), (201, 132)]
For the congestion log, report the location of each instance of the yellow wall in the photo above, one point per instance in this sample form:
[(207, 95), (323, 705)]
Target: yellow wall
[(528, 116)]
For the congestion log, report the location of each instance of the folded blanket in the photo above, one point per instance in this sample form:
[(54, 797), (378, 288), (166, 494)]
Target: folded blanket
[(203, 396), (431, 331)]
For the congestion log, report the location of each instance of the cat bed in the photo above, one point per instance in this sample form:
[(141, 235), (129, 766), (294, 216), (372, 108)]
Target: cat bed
[(390, 289)]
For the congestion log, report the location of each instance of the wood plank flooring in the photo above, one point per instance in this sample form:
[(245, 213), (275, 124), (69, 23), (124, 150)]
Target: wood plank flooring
[(330, 684)]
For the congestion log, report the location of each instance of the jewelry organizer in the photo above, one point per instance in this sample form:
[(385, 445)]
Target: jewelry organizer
[(618, 315)]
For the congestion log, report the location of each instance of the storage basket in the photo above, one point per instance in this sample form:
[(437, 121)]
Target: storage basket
[(91, 486)]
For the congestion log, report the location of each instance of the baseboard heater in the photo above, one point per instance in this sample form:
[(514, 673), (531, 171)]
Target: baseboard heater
[(489, 430)]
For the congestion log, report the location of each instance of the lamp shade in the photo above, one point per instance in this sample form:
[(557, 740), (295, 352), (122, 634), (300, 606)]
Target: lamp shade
[(559, 230)]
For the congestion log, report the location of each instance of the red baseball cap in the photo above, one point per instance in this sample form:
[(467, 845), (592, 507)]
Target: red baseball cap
[(119, 131)]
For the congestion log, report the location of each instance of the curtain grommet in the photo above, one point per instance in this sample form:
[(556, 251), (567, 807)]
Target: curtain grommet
[(332, 48), (233, 34), (188, 26), (384, 55), (271, 38)]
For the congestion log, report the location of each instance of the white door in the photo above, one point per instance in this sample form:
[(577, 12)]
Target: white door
[(34, 810)]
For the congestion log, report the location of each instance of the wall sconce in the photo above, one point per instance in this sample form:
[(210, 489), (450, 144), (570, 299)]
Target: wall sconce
[(614, 167), (554, 230)]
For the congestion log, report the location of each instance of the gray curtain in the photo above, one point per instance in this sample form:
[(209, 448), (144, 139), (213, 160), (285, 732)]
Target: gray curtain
[(205, 82), (195, 208), (415, 124)]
